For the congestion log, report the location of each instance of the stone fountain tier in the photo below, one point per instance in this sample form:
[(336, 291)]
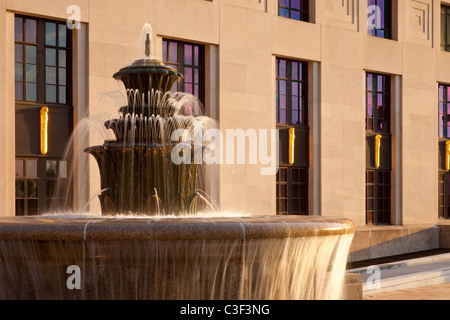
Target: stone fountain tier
[(146, 76), (270, 257), (46, 228), (141, 178), (153, 128)]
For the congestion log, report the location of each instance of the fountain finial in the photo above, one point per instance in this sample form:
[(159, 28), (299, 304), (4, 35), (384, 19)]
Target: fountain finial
[(148, 31), (147, 46)]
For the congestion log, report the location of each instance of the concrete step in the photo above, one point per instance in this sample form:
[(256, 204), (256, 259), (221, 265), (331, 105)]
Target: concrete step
[(405, 274)]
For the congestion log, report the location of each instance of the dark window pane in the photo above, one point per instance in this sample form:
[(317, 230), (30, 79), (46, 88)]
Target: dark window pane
[(196, 91), (19, 168), (283, 12), (295, 176), (283, 87), (18, 72), (295, 15), (50, 57), (188, 74), (295, 88), (20, 189), (31, 92), (196, 56), (282, 68), (295, 4), (303, 176), (50, 93), (20, 207), (62, 94), (50, 34), (18, 52), (31, 31), (295, 118), (32, 188), (188, 54), (173, 52), (30, 53), (283, 205), (188, 88), (31, 73), (283, 116), (369, 81), (19, 90), (50, 166), (18, 29), (32, 207), (295, 103), (50, 188), (62, 35), (303, 206), (62, 172), (62, 76), (196, 76), (32, 168), (295, 206), (164, 48), (50, 75), (62, 58)]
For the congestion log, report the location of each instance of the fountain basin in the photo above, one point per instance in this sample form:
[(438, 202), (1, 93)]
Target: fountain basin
[(266, 257), (44, 228)]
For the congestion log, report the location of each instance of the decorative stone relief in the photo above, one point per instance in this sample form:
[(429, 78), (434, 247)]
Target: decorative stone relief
[(342, 13), (418, 22)]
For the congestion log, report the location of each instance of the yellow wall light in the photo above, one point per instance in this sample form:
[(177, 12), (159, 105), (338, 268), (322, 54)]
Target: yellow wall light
[(377, 150), (44, 130), (291, 145), (447, 155)]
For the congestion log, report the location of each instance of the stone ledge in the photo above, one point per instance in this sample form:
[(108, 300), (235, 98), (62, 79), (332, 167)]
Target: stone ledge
[(195, 228), (371, 242)]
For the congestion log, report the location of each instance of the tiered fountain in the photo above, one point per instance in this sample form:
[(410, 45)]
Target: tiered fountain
[(157, 256), (136, 170)]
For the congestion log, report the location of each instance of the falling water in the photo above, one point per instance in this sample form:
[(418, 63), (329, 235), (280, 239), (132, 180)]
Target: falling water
[(301, 268)]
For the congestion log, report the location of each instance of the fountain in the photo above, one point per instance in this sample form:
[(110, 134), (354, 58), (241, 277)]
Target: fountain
[(152, 241), (136, 170)]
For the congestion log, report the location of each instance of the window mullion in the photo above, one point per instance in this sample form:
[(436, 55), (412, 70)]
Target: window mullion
[(40, 60), (180, 54), (289, 190)]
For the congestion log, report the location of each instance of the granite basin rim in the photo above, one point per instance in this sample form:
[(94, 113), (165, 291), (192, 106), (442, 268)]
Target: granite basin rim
[(42, 228)]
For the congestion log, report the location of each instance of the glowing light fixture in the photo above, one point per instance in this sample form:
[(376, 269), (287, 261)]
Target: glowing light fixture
[(44, 130), (377, 150), (291, 145)]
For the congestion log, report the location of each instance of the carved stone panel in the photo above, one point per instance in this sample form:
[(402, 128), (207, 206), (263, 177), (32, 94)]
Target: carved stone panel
[(418, 22)]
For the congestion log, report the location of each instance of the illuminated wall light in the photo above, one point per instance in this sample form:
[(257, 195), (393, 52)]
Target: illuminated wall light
[(377, 150), (44, 130), (291, 145)]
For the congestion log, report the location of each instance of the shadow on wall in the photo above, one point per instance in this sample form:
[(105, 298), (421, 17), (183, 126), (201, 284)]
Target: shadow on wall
[(371, 242)]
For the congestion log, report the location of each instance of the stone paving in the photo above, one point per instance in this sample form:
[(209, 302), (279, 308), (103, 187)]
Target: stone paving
[(417, 277)]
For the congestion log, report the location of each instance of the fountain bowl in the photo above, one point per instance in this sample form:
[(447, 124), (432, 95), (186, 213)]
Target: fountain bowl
[(171, 258)]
